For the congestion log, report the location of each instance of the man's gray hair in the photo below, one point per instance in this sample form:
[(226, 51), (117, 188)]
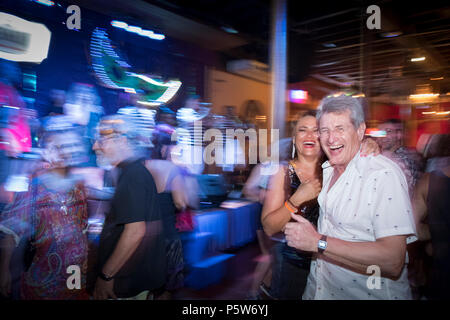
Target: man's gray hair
[(339, 104), (120, 125)]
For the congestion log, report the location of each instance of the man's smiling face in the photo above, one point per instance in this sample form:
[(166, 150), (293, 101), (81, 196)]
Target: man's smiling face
[(339, 138)]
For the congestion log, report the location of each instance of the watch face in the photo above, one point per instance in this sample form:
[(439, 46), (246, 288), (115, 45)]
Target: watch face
[(322, 244)]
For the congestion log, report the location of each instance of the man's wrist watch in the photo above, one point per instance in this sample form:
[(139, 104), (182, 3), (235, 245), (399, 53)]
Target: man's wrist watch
[(104, 277), (322, 244)]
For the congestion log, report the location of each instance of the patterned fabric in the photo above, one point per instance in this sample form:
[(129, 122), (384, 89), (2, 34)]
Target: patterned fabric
[(413, 164), (175, 264), (56, 222)]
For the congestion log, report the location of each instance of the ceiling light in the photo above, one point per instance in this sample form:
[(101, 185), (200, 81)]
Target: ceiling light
[(440, 78), (329, 45), (138, 30), (423, 96), (418, 59)]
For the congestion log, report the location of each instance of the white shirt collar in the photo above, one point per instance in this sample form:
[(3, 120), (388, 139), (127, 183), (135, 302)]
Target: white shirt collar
[(353, 163)]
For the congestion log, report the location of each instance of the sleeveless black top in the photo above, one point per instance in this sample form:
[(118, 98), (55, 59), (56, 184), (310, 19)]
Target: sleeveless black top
[(310, 211)]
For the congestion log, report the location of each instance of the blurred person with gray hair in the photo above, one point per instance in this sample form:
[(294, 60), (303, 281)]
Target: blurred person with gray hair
[(365, 219), (131, 254)]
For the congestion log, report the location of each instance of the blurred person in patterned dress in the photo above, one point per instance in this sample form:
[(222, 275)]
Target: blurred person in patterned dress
[(52, 217)]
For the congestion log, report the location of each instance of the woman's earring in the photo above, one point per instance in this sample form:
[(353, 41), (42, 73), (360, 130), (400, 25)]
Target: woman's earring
[(293, 150)]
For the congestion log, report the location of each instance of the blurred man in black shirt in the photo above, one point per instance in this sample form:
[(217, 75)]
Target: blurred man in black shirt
[(131, 258)]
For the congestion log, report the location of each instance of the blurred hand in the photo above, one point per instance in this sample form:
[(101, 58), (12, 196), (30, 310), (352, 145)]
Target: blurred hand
[(5, 283), (370, 146), (104, 290), (308, 190), (301, 234)]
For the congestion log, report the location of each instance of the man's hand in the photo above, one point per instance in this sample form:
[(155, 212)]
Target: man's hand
[(5, 283), (301, 234), (370, 146), (104, 289)]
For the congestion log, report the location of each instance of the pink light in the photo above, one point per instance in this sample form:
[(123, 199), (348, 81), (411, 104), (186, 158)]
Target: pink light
[(298, 96)]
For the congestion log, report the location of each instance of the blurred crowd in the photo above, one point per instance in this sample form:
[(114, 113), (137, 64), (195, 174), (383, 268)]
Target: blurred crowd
[(76, 173), (104, 196)]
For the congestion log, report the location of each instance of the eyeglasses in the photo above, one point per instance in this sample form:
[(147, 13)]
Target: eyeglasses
[(101, 139)]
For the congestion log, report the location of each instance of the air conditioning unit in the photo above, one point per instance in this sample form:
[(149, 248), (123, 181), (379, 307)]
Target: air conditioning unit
[(251, 69)]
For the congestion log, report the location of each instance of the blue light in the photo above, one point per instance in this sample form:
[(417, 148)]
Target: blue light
[(47, 3), (138, 30), (391, 34), (230, 30)]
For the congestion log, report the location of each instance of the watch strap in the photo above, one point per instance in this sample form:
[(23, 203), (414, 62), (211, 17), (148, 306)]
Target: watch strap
[(104, 277), (319, 249)]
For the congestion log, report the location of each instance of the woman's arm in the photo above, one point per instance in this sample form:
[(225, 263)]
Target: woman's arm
[(251, 188), (179, 193), (274, 214)]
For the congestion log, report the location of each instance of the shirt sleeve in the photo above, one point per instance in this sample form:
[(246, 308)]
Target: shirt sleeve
[(138, 195), (392, 213)]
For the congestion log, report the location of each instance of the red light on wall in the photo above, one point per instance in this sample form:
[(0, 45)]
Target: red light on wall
[(298, 96)]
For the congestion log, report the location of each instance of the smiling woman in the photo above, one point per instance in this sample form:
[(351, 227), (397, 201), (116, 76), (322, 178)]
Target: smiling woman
[(294, 188)]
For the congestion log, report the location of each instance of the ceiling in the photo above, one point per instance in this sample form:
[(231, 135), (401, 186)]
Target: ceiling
[(328, 40), (332, 39)]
